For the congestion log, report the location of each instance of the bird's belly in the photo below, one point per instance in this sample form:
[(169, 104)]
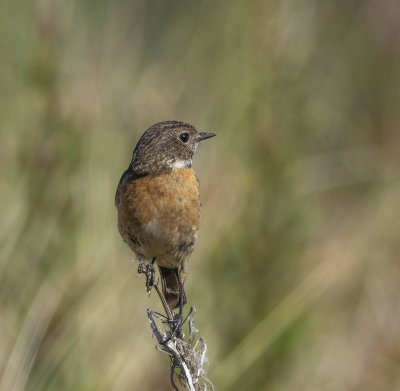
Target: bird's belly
[(167, 243), (160, 216)]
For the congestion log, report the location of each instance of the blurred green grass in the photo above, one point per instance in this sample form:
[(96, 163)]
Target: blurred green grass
[(296, 274)]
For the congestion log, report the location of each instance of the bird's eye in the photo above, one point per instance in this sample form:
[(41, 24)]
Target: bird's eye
[(184, 137)]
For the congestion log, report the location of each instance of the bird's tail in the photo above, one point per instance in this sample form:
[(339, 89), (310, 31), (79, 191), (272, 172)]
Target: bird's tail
[(171, 286)]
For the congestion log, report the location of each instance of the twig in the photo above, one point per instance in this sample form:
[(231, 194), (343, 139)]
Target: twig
[(164, 303), (149, 271), (187, 361)]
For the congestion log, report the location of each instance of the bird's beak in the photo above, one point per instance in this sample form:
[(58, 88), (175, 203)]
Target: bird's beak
[(204, 135)]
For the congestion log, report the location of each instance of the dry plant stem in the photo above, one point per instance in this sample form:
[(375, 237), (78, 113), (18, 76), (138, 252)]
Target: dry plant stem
[(164, 303), (170, 348), (149, 271), (189, 360)]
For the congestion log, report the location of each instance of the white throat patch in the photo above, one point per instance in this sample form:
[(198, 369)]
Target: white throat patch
[(177, 164)]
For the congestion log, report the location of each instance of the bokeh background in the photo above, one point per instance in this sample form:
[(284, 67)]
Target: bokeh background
[(296, 275)]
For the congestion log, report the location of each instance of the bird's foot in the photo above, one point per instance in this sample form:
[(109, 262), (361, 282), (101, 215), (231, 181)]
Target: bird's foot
[(176, 327), (148, 270), (177, 323)]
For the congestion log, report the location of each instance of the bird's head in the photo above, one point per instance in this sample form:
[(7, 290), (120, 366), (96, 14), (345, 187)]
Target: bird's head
[(166, 145)]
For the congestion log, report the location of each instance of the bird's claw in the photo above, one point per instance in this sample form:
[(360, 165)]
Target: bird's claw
[(149, 271)]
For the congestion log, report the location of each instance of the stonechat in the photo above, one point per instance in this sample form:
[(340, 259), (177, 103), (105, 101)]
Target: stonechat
[(158, 202)]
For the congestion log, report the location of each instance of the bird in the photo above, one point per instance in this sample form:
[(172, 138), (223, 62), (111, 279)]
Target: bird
[(158, 203)]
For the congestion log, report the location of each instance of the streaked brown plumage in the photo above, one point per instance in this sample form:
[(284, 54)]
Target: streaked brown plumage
[(158, 201)]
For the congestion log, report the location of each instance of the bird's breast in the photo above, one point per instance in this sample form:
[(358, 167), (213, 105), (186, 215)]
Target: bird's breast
[(159, 215)]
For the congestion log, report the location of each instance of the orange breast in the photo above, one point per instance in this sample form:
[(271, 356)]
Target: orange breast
[(159, 215)]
